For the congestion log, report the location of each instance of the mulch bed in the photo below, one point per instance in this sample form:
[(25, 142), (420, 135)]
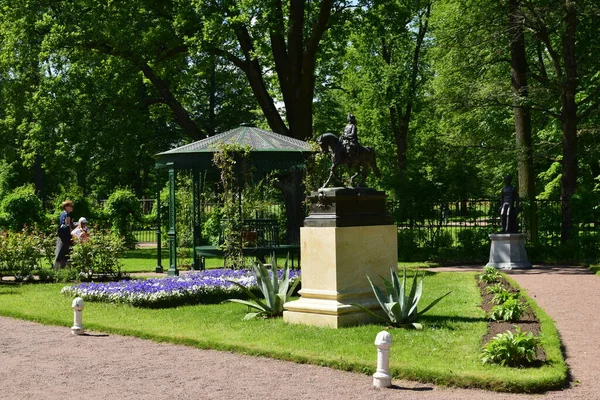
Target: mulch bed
[(527, 323)]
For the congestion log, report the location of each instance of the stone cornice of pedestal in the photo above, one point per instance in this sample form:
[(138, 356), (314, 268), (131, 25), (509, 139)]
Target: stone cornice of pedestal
[(508, 236), (345, 207)]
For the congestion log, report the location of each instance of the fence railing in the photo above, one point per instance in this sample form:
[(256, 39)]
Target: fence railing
[(447, 230)]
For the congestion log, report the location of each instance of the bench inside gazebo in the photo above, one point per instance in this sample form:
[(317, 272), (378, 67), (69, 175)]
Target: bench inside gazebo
[(269, 152)]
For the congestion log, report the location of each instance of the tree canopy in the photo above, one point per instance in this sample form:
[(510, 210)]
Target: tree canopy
[(452, 94)]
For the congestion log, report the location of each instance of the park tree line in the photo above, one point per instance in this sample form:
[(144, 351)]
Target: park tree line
[(453, 94)]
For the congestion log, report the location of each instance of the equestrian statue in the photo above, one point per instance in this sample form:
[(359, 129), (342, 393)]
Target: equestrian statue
[(346, 150)]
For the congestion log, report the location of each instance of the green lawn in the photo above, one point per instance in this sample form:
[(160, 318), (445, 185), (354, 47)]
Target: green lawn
[(144, 260), (595, 269), (445, 352)]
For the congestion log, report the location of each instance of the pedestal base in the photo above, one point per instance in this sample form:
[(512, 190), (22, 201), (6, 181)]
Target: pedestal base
[(335, 265), (508, 251)]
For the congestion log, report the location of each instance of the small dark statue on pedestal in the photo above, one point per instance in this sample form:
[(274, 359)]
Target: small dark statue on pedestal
[(509, 207), (346, 150)]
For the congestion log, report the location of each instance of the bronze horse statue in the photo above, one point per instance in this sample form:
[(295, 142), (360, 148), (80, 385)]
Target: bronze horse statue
[(362, 162)]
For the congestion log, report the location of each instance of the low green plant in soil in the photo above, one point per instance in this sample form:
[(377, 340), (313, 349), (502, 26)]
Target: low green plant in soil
[(510, 349), (445, 352), (511, 310), (489, 275), (503, 296)]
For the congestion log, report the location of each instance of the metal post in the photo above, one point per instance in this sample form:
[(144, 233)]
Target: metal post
[(159, 267), (173, 271), (195, 218)]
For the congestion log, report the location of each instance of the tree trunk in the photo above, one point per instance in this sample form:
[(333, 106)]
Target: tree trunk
[(212, 98), (181, 115), (251, 67), (569, 123), (521, 113)]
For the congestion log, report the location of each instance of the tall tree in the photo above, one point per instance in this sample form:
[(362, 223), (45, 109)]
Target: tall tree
[(285, 36)]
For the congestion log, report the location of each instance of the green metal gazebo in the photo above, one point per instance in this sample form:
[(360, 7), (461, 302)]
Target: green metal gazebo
[(269, 151)]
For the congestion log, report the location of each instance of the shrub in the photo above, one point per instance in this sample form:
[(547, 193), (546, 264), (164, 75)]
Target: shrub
[(400, 309), (496, 288), (19, 254), (275, 292), (511, 310), (99, 255), (503, 296), (511, 349), (123, 209), (490, 275), (22, 207)]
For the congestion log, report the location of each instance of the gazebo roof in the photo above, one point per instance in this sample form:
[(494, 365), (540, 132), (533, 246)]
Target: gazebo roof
[(269, 150)]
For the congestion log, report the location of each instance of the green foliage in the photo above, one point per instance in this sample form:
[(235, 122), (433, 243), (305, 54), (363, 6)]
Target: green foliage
[(98, 255), (503, 296), (235, 175), (511, 310), (275, 292), (490, 275), (22, 207), (83, 206), (511, 349), (400, 308), (123, 209), (495, 288), (20, 254), (475, 240)]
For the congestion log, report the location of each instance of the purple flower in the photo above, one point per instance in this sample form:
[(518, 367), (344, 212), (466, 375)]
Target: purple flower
[(191, 288)]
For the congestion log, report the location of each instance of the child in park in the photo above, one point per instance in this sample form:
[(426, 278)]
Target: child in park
[(81, 233)]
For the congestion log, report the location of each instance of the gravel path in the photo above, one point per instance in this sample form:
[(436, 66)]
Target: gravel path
[(46, 362)]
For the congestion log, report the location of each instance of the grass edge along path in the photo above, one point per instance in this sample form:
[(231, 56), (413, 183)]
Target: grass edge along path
[(550, 337), (445, 353)]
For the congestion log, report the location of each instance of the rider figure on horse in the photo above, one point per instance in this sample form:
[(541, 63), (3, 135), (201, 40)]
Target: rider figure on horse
[(349, 139)]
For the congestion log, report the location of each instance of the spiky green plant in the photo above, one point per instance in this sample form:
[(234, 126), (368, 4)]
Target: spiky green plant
[(275, 292), (400, 309)]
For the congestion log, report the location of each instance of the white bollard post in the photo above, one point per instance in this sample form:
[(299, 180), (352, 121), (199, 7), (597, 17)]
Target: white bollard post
[(382, 378), (77, 328)]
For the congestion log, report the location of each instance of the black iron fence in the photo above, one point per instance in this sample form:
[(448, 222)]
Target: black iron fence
[(459, 231), (451, 231)]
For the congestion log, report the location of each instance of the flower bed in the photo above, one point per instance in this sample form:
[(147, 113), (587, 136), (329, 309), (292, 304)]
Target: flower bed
[(193, 288)]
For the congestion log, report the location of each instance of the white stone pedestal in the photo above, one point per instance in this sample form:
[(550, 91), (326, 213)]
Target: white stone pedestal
[(335, 263), (508, 251)]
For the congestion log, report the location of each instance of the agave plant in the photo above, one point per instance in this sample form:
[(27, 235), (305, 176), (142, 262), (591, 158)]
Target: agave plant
[(401, 309), (275, 292)]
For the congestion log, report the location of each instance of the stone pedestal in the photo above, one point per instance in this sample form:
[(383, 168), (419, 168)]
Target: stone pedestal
[(347, 236), (508, 251)]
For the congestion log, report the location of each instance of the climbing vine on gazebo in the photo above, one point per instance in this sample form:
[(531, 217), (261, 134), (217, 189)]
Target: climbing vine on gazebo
[(232, 160)]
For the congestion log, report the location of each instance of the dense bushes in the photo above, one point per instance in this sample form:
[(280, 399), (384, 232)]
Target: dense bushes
[(123, 209), (99, 255), (25, 254), (21, 207), (20, 254)]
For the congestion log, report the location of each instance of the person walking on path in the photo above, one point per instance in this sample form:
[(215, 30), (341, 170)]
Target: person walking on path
[(63, 242)]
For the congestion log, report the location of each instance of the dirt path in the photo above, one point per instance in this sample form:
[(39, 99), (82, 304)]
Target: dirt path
[(44, 362)]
